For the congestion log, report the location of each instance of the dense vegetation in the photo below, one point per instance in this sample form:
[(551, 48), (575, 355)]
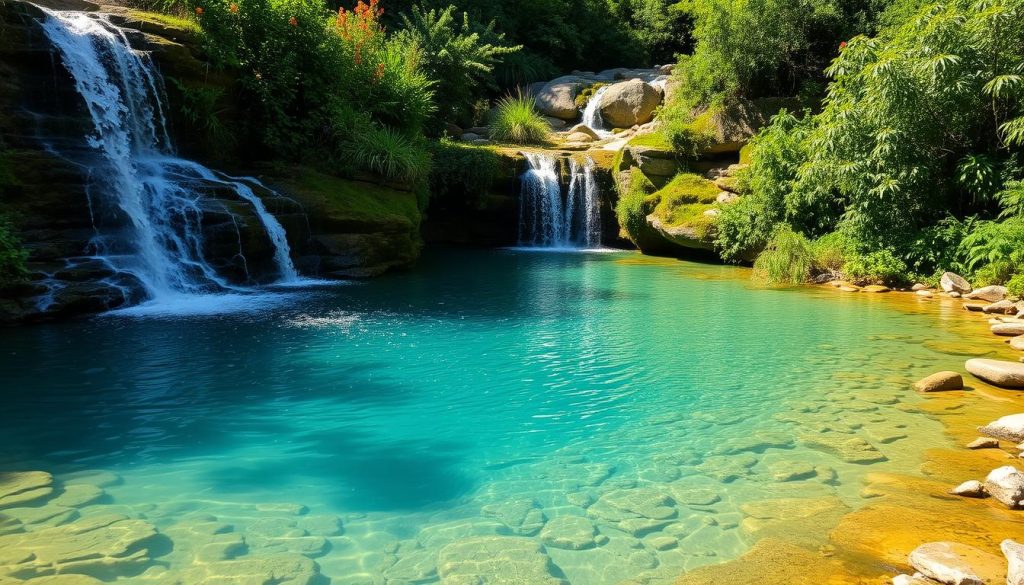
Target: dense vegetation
[(913, 164)]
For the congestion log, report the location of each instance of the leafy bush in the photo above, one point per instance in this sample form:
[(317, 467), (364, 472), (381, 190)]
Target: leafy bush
[(635, 204), (832, 251), (878, 267), (12, 255), (1015, 286), (518, 122), (390, 154), (787, 259), (457, 54)]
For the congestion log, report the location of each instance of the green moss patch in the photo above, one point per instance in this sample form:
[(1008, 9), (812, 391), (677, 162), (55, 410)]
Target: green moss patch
[(683, 201)]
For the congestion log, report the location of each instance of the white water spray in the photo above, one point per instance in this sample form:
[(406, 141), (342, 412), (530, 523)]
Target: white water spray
[(592, 113), (546, 219), (153, 189)]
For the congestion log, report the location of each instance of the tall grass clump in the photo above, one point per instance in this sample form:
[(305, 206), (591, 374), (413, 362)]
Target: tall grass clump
[(517, 121), (786, 260), (390, 154)]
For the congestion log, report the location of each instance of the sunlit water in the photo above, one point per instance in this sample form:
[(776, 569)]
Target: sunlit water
[(484, 395)]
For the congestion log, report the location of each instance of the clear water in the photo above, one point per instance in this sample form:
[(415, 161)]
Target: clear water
[(484, 395)]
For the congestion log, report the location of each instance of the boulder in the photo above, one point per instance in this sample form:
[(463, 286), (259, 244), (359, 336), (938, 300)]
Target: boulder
[(1006, 484), (953, 563), (1003, 307), (1014, 552), (955, 295), (1009, 428), (924, 293), (997, 372), (1017, 343), (555, 123), (987, 293), (579, 137), (939, 382), (1009, 329), (629, 103), (970, 489), (726, 197), (974, 307), (983, 443), (453, 130), (569, 532), (919, 286), (876, 288), (583, 128), (915, 579), (470, 137), (558, 97), (952, 282)]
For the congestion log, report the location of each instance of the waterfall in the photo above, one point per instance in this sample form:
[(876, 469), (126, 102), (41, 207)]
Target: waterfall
[(592, 113), (549, 220), (154, 193)]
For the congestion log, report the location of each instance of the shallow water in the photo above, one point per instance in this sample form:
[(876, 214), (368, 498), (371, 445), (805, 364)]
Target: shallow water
[(452, 417)]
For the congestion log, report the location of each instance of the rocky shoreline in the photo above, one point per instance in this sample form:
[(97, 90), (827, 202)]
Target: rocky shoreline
[(944, 527)]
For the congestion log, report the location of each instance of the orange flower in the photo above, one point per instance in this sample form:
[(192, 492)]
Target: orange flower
[(199, 10), (233, 8), (293, 21), (379, 73)]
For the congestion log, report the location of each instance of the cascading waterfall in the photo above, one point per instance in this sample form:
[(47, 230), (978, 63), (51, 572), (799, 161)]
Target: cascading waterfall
[(546, 219), (592, 113), (153, 190)]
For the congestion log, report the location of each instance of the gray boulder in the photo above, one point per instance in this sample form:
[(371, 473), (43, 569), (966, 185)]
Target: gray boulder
[(951, 563), (629, 103), (1003, 307), (1009, 428), (558, 97), (1009, 328), (952, 282), (1006, 484), (1014, 552)]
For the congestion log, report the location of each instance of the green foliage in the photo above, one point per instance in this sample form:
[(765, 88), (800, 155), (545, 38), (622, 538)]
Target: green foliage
[(202, 108), (880, 267), (995, 243), (458, 55), (635, 204), (763, 47), (462, 173), (390, 154), (1015, 286), (687, 135), (583, 97), (787, 259), (832, 251), (518, 122)]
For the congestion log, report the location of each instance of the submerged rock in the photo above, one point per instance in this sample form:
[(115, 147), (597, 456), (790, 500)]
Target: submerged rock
[(1010, 428), (19, 488), (851, 450), (953, 563), (498, 560), (970, 489), (983, 443), (915, 579), (997, 372), (1014, 552), (569, 532), (1006, 484), (940, 381), (523, 516)]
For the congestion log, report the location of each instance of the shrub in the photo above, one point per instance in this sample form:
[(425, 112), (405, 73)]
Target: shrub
[(878, 267), (12, 255), (518, 122), (635, 204), (390, 154), (1015, 286), (786, 260), (832, 251)]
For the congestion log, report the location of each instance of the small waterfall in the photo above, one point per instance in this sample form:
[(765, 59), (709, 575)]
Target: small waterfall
[(145, 186), (592, 113), (547, 219)]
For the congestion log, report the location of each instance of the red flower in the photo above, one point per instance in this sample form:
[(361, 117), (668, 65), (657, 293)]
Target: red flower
[(293, 21), (199, 10), (842, 45)]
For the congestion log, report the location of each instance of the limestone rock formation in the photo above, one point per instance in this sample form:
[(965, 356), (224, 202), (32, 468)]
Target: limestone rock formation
[(952, 563), (1006, 484), (1014, 552), (1010, 428), (970, 489)]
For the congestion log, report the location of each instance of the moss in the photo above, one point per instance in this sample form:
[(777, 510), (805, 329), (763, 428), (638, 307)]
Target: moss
[(635, 203), (337, 200), (159, 23), (683, 201), (583, 97), (745, 154), (655, 140)]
